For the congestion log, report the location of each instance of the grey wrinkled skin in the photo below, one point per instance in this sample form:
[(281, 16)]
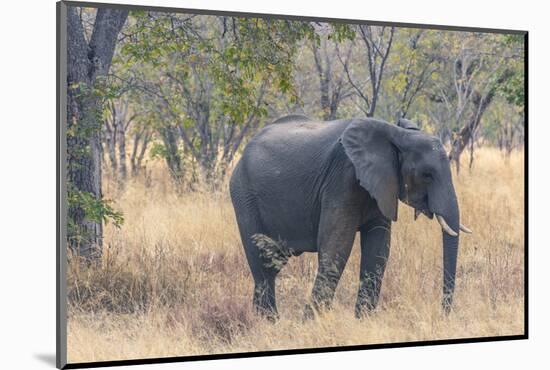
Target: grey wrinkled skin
[(310, 186)]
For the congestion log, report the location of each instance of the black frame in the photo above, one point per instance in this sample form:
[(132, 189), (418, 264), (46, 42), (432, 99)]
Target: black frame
[(61, 209)]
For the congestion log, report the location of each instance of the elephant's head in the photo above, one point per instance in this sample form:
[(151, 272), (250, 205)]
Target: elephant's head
[(401, 162)]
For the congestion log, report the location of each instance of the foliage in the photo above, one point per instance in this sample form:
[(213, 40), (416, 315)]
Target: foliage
[(342, 32), (514, 89), (216, 77), (94, 209), (200, 86), (97, 210)]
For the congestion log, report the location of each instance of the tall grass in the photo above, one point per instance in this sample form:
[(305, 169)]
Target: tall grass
[(174, 281)]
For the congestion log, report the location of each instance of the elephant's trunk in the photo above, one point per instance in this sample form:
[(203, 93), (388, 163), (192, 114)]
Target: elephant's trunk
[(450, 253), (444, 205)]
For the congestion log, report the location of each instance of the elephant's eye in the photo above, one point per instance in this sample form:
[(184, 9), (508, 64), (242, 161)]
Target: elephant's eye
[(427, 176)]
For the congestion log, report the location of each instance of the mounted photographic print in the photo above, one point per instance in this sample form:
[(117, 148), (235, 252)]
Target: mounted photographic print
[(234, 184)]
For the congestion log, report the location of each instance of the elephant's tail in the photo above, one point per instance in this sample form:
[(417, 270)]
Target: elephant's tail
[(274, 253)]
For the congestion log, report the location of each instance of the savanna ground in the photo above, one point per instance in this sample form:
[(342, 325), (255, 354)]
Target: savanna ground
[(174, 281)]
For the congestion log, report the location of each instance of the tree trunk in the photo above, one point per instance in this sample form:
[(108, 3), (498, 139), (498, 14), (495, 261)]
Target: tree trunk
[(329, 87), (172, 155), (466, 133), (85, 62), (323, 80), (480, 103), (146, 140), (84, 175), (138, 152), (121, 151), (472, 148), (111, 135), (133, 156)]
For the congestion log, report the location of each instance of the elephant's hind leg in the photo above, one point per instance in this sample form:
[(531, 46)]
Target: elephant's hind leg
[(263, 266), (266, 258)]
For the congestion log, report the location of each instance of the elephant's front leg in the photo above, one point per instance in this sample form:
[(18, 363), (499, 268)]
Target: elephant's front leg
[(375, 250), (335, 242)]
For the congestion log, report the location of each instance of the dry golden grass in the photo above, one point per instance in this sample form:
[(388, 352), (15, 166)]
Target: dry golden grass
[(174, 280)]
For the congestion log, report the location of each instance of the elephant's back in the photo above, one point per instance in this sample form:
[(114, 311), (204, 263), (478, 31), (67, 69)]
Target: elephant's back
[(300, 136), (289, 154)]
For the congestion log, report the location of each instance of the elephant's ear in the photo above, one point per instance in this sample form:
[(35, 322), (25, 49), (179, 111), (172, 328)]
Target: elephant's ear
[(368, 144)]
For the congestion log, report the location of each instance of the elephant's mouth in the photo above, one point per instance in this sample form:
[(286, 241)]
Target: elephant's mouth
[(424, 211), (421, 208)]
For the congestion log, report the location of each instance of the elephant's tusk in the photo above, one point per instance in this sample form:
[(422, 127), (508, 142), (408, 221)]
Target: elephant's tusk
[(445, 227), (465, 229)]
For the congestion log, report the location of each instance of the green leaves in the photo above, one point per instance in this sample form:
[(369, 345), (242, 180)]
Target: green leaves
[(211, 80), (158, 151), (514, 89), (342, 32), (97, 210), (206, 79)]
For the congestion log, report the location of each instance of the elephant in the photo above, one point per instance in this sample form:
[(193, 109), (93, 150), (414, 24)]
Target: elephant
[(303, 185)]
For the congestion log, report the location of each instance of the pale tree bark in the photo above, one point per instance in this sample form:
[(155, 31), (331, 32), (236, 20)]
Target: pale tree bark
[(123, 122), (110, 134), (122, 150), (86, 61), (114, 131), (220, 136), (377, 42), (141, 141), (510, 135), (331, 83), (415, 81), (172, 153), (480, 104)]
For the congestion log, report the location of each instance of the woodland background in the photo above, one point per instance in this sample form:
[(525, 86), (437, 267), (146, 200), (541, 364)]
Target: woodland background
[(160, 106)]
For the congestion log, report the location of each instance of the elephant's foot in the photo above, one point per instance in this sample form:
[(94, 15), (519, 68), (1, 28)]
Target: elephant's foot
[(309, 313), (363, 311), (365, 305), (264, 300), (268, 314)]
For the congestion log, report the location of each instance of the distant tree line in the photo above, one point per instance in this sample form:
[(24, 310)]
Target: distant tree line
[(192, 89)]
